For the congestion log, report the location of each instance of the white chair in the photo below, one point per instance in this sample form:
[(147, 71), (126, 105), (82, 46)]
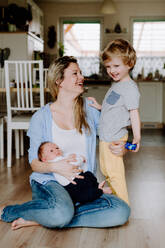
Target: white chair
[(1, 138), (2, 78), (45, 74), (20, 109)]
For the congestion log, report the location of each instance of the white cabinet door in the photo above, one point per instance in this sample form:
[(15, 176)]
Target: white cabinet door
[(164, 103), (151, 102)]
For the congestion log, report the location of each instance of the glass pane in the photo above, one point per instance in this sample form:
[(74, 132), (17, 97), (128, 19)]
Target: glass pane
[(82, 40), (149, 38), (149, 43)]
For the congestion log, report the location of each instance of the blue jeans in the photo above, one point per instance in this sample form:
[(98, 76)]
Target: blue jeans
[(52, 207)]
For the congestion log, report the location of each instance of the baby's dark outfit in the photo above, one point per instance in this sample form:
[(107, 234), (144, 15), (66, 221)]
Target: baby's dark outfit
[(85, 190)]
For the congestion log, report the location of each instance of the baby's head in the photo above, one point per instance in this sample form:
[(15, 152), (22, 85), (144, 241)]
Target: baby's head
[(48, 151), (120, 48)]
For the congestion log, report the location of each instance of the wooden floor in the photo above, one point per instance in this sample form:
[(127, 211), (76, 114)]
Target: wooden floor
[(145, 173)]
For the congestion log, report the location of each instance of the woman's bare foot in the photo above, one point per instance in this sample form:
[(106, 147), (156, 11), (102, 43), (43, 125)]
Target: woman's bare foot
[(106, 190), (19, 223)]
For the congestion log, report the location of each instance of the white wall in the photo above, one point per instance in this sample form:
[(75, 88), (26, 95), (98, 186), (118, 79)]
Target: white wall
[(126, 10)]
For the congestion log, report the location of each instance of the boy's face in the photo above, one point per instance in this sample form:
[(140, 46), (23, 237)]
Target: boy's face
[(50, 151), (116, 69)]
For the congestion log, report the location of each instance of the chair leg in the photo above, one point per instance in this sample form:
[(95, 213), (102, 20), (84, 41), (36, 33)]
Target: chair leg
[(1, 140), (22, 144), (9, 142), (17, 144)]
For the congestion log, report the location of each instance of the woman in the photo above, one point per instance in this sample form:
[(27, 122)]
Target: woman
[(72, 124)]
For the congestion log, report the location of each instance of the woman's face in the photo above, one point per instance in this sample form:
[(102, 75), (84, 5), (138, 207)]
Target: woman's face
[(73, 80)]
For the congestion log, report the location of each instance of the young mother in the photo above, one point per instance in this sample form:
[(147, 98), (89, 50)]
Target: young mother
[(72, 124)]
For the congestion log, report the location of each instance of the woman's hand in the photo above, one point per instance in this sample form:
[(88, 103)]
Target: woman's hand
[(65, 168), (118, 148)]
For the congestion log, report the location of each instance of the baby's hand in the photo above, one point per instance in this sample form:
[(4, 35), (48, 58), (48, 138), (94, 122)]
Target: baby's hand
[(72, 156), (83, 159), (94, 103)]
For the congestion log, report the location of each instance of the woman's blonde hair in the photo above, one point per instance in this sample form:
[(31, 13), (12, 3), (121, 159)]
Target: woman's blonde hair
[(121, 48), (55, 77)]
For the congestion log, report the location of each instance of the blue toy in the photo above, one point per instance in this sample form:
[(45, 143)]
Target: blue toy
[(130, 146)]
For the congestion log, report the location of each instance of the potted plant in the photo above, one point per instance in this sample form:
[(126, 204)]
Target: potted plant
[(61, 49)]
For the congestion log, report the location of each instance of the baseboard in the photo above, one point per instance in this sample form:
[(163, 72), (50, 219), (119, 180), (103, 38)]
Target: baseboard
[(152, 125)]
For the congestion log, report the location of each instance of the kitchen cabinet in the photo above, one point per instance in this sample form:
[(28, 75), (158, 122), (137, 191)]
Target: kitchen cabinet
[(164, 104), (151, 102), (36, 26), (21, 44)]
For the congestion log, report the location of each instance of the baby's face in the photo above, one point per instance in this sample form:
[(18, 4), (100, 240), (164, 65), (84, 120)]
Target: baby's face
[(51, 151)]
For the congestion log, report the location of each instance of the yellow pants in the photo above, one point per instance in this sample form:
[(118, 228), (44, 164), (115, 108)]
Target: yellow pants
[(112, 167)]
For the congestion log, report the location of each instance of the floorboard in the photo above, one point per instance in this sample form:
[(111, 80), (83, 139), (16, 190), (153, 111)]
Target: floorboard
[(145, 172)]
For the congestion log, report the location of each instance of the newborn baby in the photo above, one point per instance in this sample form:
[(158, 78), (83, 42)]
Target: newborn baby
[(87, 188)]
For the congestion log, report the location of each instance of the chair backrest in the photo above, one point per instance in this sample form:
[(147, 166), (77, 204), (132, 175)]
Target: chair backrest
[(2, 78), (20, 73), (45, 75)]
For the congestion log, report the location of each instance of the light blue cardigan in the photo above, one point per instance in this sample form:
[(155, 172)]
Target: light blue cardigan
[(40, 130)]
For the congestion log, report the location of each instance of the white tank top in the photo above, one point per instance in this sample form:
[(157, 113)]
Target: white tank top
[(69, 141)]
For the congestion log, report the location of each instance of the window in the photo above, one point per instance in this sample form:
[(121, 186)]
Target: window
[(149, 38), (81, 38), (149, 43)]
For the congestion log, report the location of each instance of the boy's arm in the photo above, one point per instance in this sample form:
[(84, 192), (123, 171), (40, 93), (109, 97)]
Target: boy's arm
[(136, 127), (94, 103)]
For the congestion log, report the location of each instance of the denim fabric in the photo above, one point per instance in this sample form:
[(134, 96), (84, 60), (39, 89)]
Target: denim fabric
[(106, 211), (52, 207)]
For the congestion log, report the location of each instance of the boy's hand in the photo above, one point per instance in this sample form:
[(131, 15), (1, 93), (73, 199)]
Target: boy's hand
[(137, 142), (95, 104)]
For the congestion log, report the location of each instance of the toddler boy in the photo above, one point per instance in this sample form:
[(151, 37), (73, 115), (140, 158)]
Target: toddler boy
[(119, 110)]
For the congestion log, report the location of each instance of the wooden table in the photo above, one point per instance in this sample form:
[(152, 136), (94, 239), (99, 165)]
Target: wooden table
[(35, 90)]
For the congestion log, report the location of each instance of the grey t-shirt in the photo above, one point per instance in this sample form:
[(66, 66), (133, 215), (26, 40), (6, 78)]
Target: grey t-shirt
[(115, 117)]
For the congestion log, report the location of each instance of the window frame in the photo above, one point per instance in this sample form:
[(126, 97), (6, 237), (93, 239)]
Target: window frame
[(143, 19), (82, 19)]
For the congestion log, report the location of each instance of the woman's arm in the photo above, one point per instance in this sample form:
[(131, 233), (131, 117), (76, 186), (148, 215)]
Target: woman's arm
[(62, 167)]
